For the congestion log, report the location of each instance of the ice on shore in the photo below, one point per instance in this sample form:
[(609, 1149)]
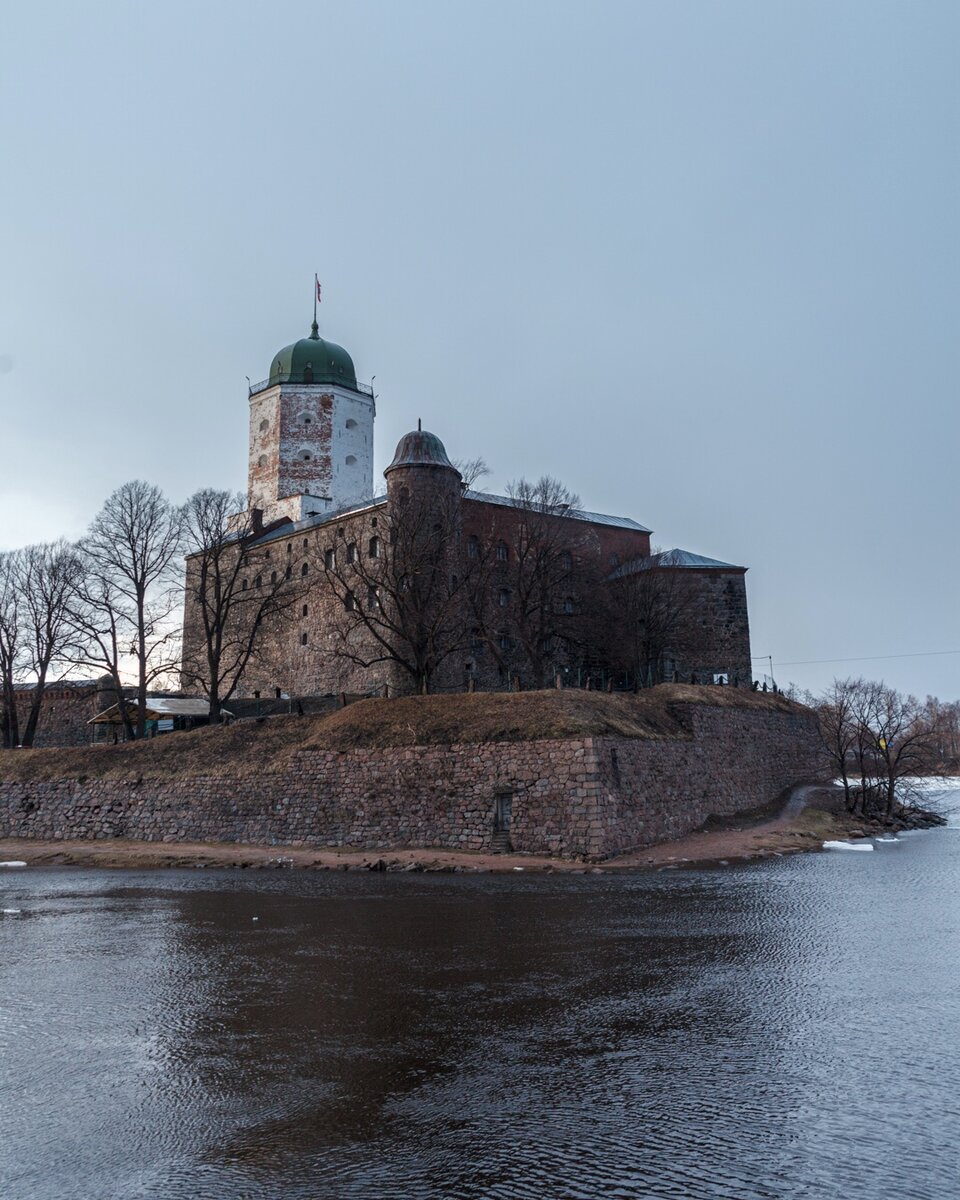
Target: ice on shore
[(848, 845), (14, 862)]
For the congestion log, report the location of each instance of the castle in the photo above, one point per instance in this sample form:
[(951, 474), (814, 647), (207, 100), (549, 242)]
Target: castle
[(432, 585)]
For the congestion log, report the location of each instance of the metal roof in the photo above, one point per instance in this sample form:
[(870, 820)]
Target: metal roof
[(157, 707), (674, 558), (578, 514)]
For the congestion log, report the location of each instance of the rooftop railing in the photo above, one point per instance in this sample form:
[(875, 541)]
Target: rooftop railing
[(309, 378)]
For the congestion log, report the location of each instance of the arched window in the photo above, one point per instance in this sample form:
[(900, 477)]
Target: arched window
[(243, 586), (503, 552), (473, 546), (258, 582), (350, 603), (373, 599), (308, 373), (503, 598), (568, 604), (303, 570), (305, 611), (273, 577), (303, 639), (288, 574), (264, 425), (351, 423), (352, 552), (566, 560), (351, 460), (374, 550), (329, 558), (262, 460), (505, 642)]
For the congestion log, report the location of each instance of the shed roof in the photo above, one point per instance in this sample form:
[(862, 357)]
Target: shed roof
[(157, 707)]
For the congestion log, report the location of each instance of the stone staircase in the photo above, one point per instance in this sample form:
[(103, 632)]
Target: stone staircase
[(500, 842)]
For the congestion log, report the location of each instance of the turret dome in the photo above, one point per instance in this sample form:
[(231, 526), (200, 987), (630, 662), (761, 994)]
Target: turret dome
[(313, 360), (420, 449)]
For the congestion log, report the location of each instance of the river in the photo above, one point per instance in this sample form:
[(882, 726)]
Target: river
[(783, 1029)]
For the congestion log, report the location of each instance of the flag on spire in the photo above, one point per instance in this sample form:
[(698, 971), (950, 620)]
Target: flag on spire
[(317, 282)]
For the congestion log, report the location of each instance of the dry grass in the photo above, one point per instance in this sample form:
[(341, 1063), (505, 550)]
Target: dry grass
[(248, 747)]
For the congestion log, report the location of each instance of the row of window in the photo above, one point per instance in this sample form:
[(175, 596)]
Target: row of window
[(374, 550), (274, 577), (305, 419), (306, 456), (502, 552)]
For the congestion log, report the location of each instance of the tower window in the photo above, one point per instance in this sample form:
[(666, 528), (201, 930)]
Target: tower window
[(503, 599), (374, 547), (351, 423), (566, 560), (243, 586), (505, 642), (473, 546), (288, 574), (273, 577), (264, 425), (352, 552), (262, 460), (373, 599), (568, 605), (329, 559), (258, 582), (308, 373), (305, 456), (351, 460), (303, 570), (303, 639), (503, 552), (305, 611), (350, 603)]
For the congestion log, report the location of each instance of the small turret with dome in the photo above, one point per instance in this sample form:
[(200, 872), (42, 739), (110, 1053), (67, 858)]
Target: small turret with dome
[(421, 449)]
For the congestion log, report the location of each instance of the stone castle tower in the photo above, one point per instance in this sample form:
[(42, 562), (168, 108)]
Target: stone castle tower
[(311, 433)]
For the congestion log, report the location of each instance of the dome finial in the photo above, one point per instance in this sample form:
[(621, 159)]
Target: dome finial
[(315, 332), (315, 328)]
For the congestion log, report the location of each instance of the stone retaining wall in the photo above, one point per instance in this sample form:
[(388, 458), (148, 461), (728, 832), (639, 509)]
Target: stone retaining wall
[(589, 797)]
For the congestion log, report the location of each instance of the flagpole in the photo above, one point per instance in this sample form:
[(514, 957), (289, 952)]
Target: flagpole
[(315, 282)]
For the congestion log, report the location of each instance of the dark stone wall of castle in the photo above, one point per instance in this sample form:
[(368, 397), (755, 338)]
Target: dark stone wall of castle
[(64, 714), (715, 630), (587, 797)]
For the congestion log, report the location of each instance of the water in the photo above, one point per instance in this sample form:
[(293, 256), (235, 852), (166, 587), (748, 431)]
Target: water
[(787, 1029)]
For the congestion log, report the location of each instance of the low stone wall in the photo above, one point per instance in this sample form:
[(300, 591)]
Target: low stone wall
[(589, 797)]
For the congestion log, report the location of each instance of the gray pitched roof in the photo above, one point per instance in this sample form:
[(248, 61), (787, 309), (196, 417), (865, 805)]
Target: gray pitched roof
[(578, 514), (674, 558)]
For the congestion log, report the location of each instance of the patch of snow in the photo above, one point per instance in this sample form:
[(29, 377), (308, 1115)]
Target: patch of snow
[(848, 845), (13, 862)]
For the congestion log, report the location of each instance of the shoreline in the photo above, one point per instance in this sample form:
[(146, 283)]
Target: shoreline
[(744, 837)]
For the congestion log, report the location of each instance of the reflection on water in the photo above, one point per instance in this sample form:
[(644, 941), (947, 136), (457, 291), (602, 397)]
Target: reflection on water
[(783, 1030)]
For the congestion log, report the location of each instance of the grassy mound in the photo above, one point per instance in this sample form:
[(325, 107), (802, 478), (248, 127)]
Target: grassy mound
[(248, 747)]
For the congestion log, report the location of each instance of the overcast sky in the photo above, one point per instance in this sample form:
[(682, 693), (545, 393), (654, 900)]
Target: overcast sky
[(697, 260)]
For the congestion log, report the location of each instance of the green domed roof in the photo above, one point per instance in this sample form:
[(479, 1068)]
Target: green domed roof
[(313, 360)]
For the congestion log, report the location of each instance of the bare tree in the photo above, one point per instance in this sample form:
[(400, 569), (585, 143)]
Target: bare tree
[(402, 590), (532, 590), (224, 616), (131, 555), (837, 711), (10, 647), (46, 577), (471, 469)]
